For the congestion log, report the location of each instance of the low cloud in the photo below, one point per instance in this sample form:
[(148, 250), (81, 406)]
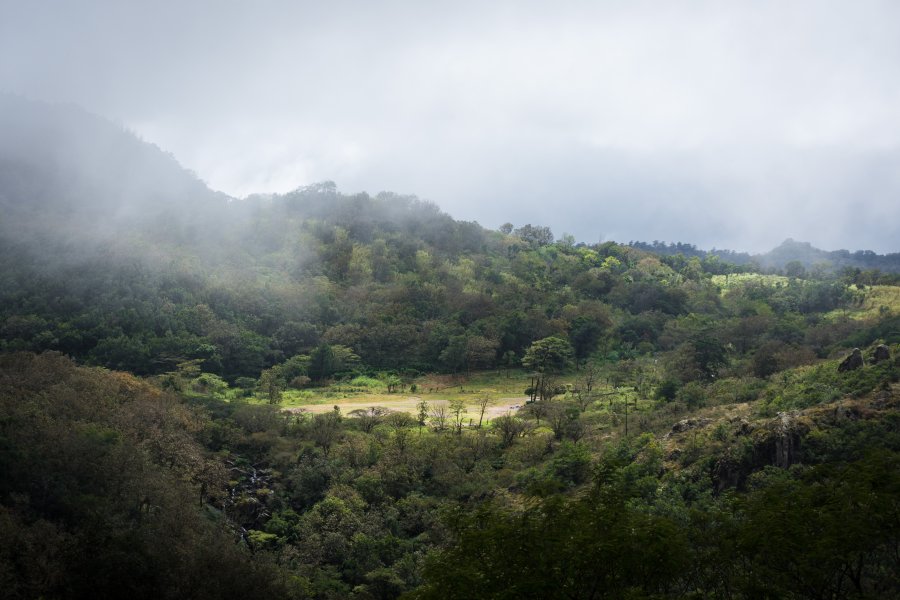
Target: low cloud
[(720, 123)]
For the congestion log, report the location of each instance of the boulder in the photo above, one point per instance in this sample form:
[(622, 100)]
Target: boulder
[(852, 362), (881, 353)]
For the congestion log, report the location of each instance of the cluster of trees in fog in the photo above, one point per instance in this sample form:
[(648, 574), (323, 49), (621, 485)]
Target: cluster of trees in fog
[(321, 284)]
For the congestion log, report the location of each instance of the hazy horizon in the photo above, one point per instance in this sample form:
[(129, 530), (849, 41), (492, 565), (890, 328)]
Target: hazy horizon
[(723, 124)]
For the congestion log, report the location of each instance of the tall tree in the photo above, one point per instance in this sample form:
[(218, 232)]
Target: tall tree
[(547, 357)]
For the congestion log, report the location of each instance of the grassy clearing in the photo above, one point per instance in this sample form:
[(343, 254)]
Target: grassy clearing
[(607, 412), (410, 404), (364, 390), (506, 393), (873, 301), (869, 302)]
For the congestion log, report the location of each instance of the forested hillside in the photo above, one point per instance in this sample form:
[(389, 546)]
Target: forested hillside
[(682, 426)]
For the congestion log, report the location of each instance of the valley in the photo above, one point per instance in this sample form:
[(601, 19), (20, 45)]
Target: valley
[(327, 395)]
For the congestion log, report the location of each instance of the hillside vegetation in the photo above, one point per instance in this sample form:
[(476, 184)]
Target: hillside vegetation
[(323, 395)]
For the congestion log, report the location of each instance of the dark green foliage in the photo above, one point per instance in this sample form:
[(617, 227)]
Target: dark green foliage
[(535, 235), (643, 296), (887, 329), (594, 546), (667, 389), (831, 531), (322, 363), (101, 488), (396, 283), (295, 338), (796, 534), (585, 335)]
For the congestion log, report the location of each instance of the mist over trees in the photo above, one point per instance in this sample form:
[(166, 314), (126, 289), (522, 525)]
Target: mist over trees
[(680, 428)]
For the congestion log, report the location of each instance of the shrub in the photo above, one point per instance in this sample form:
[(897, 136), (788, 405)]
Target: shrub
[(693, 395)]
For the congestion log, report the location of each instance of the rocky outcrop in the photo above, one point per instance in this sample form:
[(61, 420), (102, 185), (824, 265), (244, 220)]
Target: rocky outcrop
[(687, 425), (777, 442), (852, 362), (751, 445)]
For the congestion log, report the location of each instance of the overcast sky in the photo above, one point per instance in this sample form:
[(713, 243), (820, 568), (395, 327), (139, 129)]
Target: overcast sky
[(726, 124)]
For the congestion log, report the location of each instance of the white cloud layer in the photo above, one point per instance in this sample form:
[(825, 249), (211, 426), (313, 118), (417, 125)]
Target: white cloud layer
[(723, 123)]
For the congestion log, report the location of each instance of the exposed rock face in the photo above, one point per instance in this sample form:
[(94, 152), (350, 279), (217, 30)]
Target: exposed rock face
[(787, 440), (882, 353), (777, 442), (852, 362)]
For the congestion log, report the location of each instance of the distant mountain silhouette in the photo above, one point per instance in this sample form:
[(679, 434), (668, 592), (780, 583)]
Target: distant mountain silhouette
[(810, 257), (787, 252)]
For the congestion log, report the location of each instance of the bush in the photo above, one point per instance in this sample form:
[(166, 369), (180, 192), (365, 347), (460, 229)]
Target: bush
[(301, 381), (693, 395), (366, 382), (667, 390)]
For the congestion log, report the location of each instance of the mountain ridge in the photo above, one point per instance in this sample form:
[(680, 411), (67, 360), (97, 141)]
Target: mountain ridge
[(778, 258)]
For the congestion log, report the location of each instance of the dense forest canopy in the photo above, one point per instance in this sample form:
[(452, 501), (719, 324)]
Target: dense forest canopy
[(686, 424)]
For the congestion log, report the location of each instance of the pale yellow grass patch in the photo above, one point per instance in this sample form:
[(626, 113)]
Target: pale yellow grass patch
[(410, 404)]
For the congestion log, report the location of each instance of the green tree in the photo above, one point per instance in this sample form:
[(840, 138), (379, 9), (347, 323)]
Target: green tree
[(708, 354), (481, 352), (270, 385), (795, 269), (536, 235), (458, 410), (453, 356), (508, 427), (509, 361), (483, 401), (546, 357), (295, 338), (327, 360), (393, 383), (585, 334), (422, 414), (369, 417), (325, 429)]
